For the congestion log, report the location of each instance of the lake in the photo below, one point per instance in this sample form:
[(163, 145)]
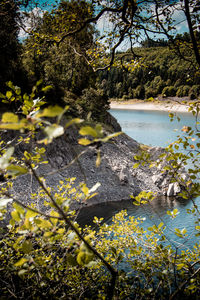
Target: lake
[(151, 128)]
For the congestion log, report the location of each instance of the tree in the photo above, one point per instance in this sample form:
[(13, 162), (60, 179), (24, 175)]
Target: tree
[(9, 47), (46, 254)]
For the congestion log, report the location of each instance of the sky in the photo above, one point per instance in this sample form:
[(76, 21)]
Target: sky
[(102, 25)]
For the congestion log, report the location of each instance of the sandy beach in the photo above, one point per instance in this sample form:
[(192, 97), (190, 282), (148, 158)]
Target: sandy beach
[(144, 105)]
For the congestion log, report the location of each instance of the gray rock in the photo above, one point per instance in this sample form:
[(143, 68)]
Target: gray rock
[(158, 179), (116, 175), (170, 191), (173, 189)]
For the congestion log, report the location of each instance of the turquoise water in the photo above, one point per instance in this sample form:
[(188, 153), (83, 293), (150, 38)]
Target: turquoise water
[(152, 128)]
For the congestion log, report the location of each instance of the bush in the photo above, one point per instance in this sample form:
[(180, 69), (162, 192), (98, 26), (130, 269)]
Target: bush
[(183, 91), (194, 92), (46, 255), (169, 91)]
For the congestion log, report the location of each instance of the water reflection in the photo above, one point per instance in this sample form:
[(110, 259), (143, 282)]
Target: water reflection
[(153, 213), (151, 128)]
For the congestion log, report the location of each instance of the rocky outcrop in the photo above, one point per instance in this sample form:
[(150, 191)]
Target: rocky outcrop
[(116, 174)]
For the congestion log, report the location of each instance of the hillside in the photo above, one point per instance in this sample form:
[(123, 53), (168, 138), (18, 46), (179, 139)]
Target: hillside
[(160, 71)]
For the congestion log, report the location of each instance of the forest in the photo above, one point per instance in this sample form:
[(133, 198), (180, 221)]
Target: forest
[(160, 72), (59, 69)]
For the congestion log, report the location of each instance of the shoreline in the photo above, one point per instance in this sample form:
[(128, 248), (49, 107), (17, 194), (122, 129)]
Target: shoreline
[(143, 105)]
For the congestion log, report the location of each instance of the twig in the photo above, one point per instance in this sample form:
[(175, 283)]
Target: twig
[(183, 284), (111, 269), (32, 209)]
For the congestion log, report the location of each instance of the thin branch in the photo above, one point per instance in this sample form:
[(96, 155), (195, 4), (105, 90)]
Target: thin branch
[(194, 41), (90, 20), (68, 165), (75, 229), (32, 209), (184, 284), (114, 49)]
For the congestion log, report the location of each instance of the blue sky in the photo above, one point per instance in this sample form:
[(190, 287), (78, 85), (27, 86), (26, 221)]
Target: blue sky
[(104, 23)]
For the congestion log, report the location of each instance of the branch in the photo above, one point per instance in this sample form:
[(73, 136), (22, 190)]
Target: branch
[(75, 229), (172, 296), (114, 49), (194, 41), (30, 208), (90, 20)]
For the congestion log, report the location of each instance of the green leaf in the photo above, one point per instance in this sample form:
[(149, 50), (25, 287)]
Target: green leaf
[(9, 94), (16, 216), (18, 208), (85, 190), (39, 82), (160, 225), (88, 130), (84, 142), (16, 170), (30, 214), (12, 126), (27, 247), (51, 111), (20, 262), (107, 138), (47, 88), (136, 165), (9, 118), (73, 121), (43, 223)]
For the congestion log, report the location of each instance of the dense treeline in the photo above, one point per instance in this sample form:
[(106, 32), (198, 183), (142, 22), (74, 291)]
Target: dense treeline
[(160, 71)]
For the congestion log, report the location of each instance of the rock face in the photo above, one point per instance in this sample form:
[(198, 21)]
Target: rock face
[(116, 174)]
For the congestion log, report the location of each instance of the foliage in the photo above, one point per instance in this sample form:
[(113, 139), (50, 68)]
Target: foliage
[(69, 74), (9, 47), (159, 71), (46, 254)]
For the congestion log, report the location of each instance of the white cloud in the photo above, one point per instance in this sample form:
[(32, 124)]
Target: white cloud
[(29, 21)]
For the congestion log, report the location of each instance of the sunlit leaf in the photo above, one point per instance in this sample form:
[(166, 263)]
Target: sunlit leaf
[(4, 160), (9, 118), (84, 142), (87, 130), (15, 170), (51, 111), (21, 262), (73, 121)]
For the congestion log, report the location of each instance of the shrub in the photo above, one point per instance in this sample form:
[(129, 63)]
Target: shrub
[(183, 90), (194, 92), (169, 91)]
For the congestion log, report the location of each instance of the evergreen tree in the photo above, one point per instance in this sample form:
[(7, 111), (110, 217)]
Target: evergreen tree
[(9, 45)]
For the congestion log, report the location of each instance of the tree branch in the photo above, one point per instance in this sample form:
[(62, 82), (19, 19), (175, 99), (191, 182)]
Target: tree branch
[(194, 41), (75, 229)]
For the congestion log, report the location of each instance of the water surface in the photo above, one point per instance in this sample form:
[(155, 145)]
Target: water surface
[(152, 128)]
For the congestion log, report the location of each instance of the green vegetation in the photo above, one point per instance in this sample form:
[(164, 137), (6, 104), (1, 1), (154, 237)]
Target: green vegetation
[(46, 254), (48, 84), (159, 72)]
